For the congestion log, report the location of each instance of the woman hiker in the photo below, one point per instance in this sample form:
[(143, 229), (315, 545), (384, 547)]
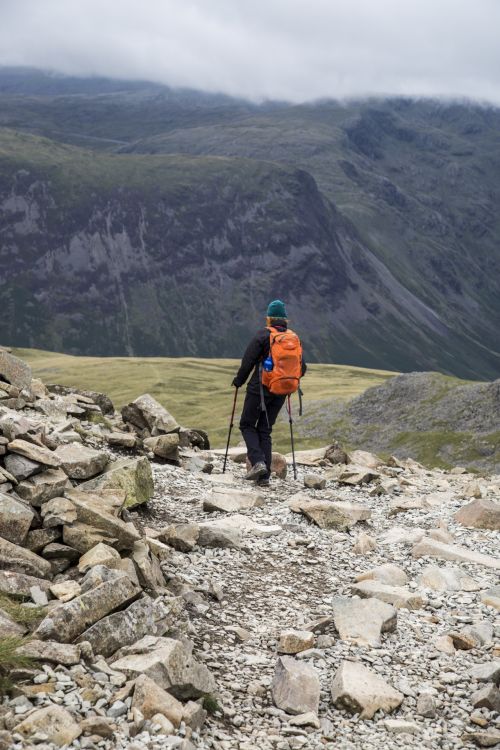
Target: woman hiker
[(275, 356)]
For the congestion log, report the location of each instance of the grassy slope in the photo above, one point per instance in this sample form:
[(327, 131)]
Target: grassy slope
[(77, 172), (196, 391)]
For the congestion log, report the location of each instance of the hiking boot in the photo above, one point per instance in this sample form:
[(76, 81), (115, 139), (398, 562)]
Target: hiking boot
[(256, 472), (264, 482)]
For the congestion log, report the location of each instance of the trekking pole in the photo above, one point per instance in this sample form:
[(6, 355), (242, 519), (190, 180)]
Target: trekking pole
[(289, 409), (230, 430)]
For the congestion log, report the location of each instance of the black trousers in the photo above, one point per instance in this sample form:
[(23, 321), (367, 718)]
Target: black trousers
[(255, 428)]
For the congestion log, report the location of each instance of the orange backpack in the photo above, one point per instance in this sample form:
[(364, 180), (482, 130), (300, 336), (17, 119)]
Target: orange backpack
[(286, 352)]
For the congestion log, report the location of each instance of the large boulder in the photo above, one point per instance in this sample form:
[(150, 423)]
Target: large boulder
[(481, 513), (67, 621), (151, 699), (21, 467), (491, 597), (17, 584), (329, 514), (147, 413), (447, 578), (13, 424), (295, 687), (101, 523), (295, 641), (164, 446), (134, 476), (398, 596), (53, 722), (101, 554), (14, 371), (101, 399), (148, 567), (143, 617), (355, 475), (38, 453), (58, 512), (362, 621), (230, 500), (218, 534), (359, 690), (170, 664), (80, 462), (8, 627), (22, 560), (428, 547), (181, 536), (388, 573), (15, 519), (59, 653), (42, 487)]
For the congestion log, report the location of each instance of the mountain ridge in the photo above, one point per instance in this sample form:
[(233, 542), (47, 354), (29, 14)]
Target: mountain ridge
[(382, 212)]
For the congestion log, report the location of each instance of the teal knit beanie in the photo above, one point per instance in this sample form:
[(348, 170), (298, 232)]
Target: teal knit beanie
[(276, 309)]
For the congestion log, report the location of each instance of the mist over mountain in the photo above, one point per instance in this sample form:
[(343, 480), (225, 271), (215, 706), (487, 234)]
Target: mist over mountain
[(138, 219)]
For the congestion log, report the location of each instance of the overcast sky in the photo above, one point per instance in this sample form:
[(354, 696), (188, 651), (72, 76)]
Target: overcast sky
[(288, 49)]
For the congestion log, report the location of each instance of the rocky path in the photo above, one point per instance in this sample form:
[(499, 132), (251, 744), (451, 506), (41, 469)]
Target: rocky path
[(355, 608), (285, 573)]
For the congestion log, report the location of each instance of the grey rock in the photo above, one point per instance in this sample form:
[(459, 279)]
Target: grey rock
[(295, 687), (22, 560), (398, 596), (487, 672), (59, 653), (431, 548), (143, 617), (67, 621), (15, 519), (16, 584), (53, 722), (487, 697), (359, 690), (14, 370), (10, 628), (134, 476), (21, 467), (181, 536), (229, 500), (328, 514), (170, 664), (363, 620), (314, 482), (164, 446), (216, 534), (58, 511), (147, 412), (81, 462), (37, 453), (42, 487)]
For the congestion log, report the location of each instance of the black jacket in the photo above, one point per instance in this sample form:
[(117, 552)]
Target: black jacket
[(255, 353)]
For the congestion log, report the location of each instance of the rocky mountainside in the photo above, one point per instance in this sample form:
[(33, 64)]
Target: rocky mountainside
[(425, 415), (147, 600), (376, 221)]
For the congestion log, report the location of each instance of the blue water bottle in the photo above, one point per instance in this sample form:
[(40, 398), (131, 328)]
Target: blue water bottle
[(268, 363)]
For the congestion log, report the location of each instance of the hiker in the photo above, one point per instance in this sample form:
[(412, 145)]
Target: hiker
[(277, 365)]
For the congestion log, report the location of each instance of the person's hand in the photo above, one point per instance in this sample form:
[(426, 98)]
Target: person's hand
[(235, 383)]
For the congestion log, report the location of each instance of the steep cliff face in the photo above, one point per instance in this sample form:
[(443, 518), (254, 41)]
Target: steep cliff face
[(183, 261), (184, 213)]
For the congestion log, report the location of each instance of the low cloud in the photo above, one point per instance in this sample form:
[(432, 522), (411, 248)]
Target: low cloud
[(266, 49)]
